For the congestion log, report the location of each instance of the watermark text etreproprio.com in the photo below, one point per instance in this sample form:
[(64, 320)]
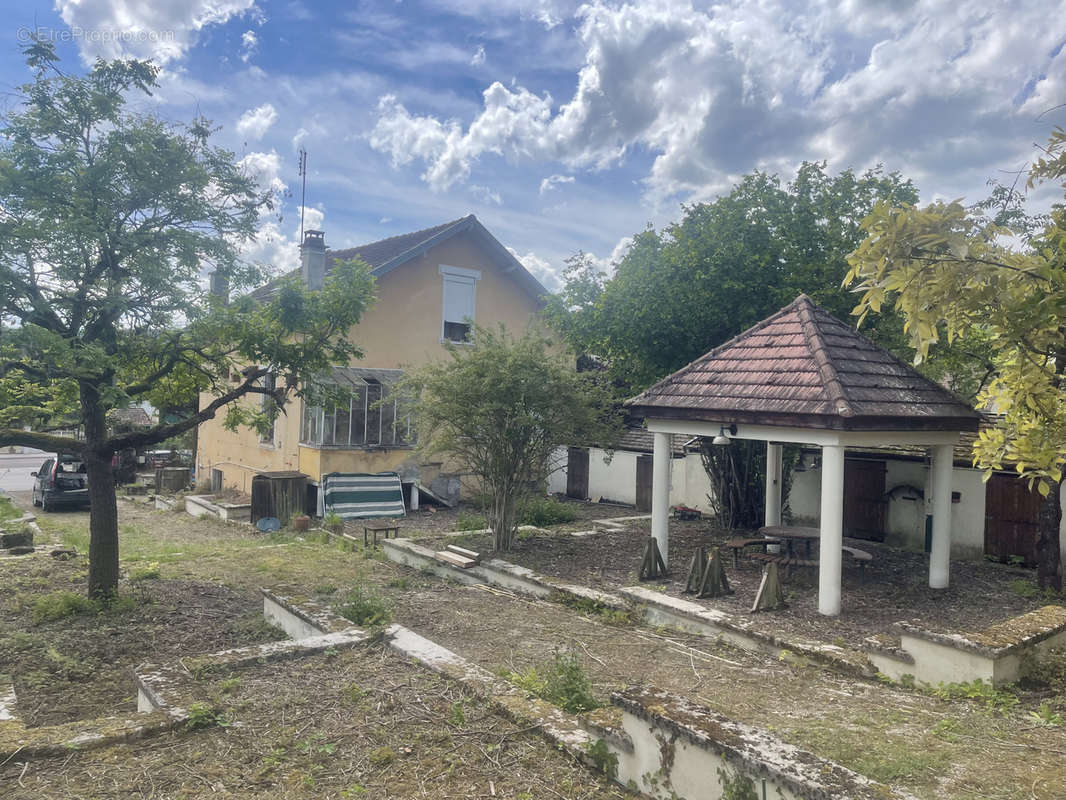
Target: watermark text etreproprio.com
[(26, 35)]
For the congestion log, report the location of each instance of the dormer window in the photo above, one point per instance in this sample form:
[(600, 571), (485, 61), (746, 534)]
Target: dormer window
[(460, 288)]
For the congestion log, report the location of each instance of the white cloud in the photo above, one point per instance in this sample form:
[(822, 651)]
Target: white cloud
[(298, 139), (249, 45), (162, 30), (486, 195), (540, 269), (255, 122), (552, 181), (479, 56), (277, 242), (931, 88), (265, 168)]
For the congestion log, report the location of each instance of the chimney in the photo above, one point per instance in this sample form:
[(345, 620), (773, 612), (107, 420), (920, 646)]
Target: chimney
[(313, 260), (220, 286)]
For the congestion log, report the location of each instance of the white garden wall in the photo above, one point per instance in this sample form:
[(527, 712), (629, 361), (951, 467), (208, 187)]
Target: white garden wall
[(905, 522), (617, 480)]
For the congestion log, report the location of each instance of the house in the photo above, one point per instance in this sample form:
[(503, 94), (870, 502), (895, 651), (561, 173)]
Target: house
[(430, 284)]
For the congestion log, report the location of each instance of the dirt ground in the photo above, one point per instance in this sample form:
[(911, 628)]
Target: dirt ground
[(356, 724), (932, 746), (895, 586), (80, 666), (929, 746)]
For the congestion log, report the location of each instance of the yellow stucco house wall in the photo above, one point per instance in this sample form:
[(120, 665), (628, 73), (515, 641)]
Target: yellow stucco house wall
[(405, 328)]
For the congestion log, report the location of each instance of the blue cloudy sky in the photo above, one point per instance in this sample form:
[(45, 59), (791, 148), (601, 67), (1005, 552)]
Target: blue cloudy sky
[(569, 126)]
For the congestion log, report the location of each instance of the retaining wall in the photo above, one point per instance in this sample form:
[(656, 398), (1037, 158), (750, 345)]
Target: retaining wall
[(994, 655), (655, 742)]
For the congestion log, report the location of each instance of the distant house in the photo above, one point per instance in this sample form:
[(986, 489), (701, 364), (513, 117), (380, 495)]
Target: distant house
[(430, 284)]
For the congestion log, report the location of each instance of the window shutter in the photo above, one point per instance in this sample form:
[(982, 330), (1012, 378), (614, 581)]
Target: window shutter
[(458, 299)]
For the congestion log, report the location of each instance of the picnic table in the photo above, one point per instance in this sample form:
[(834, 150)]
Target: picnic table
[(791, 534), (788, 561)]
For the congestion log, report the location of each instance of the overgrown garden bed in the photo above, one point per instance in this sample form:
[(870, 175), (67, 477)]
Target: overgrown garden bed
[(895, 586)]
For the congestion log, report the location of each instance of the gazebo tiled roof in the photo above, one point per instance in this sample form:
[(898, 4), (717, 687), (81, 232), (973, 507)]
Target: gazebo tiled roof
[(802, 367)]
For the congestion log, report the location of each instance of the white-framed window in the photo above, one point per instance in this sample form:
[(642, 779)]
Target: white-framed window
[(459, 295), (362, 421)]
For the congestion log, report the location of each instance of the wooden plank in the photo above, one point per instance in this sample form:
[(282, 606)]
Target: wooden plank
[(454, 559), (462, 551)]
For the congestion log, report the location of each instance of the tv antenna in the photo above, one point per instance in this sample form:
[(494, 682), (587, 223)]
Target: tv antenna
[(303, 190)]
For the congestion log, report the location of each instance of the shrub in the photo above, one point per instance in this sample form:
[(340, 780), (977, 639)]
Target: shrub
[(1045, 670), (202, 715), (365, 608), (561, 681), (470, 522), (993, 699), (544, 512), (58, 605)]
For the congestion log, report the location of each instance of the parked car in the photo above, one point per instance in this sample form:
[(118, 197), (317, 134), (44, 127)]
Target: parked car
[(61, 481)]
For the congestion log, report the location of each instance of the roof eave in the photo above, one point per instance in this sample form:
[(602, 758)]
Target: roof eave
[(961, 422), (472, 224)]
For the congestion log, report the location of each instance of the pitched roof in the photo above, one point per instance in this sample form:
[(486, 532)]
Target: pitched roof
[(803, 367), (385, 255)]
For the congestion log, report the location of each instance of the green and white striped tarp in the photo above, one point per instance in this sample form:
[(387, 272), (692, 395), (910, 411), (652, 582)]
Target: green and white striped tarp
[(357, 496)]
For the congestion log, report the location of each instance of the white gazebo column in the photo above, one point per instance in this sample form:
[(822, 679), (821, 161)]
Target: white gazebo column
[(773, 484), (940, 552), (831, 530), (660, 494)]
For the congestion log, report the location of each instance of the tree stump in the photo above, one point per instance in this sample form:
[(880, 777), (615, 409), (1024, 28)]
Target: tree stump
[(652, 566), (769, 597)]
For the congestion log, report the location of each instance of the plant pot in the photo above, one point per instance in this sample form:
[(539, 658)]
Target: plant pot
[(301, 523)]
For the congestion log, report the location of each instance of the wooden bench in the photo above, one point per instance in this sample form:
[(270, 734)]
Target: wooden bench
[(738, 543), (861, 557), (788, 562)]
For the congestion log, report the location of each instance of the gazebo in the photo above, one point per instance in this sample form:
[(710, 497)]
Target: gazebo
[(802, 376)]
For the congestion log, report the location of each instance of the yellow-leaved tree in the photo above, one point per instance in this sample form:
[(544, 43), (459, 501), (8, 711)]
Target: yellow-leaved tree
[(956, 272)]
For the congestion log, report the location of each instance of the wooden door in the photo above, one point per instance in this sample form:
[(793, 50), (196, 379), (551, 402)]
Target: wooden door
[(1011, 511), (865, 504), (644, 471), (577, 473)]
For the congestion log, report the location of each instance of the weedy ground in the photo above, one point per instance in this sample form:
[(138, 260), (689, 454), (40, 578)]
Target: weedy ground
[(957, 742), (352, 724)]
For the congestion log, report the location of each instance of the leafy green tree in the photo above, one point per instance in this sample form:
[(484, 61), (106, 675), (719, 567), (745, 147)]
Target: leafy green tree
[(987, 272), (678, 292), (502, 408), (108, 219)]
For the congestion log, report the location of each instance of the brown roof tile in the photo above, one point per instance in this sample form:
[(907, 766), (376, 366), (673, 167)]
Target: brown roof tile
[(803, 367)]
